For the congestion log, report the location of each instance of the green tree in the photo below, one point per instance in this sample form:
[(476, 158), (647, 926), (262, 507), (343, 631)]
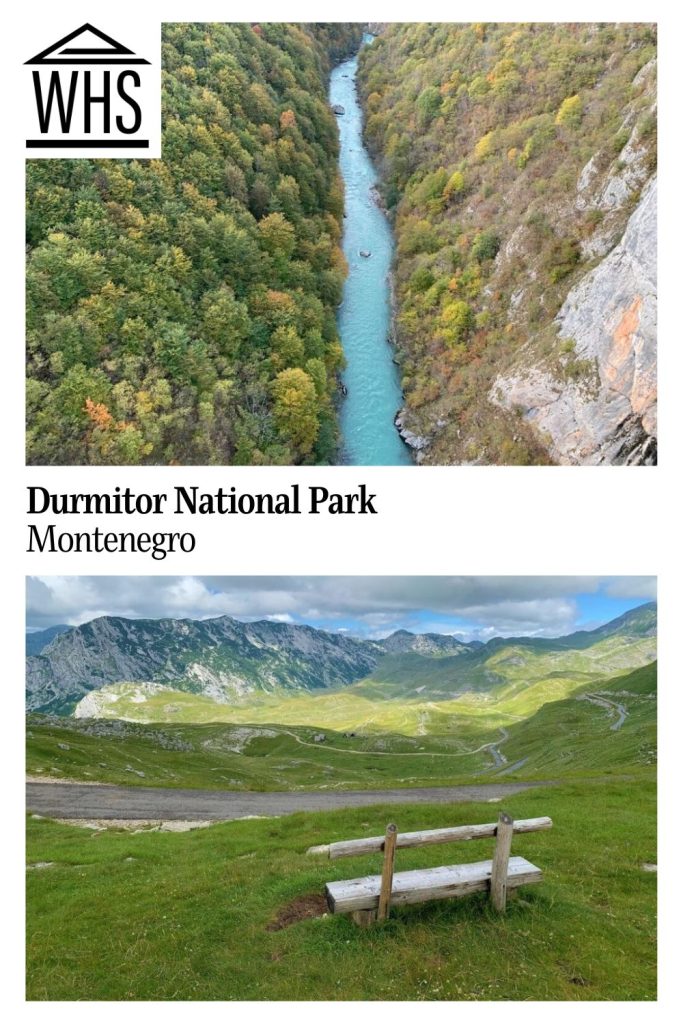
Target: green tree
[(485, 246), (428, 104), (225, 321), (277, 235), (287, 347)]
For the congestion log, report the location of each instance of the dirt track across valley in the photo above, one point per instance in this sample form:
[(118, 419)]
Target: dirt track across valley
[(73, 800)]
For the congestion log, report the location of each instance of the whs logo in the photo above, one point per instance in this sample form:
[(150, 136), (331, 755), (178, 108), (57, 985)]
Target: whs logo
[(91, 96)]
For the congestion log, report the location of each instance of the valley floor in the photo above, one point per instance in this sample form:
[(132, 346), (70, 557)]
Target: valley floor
[(221, 913)]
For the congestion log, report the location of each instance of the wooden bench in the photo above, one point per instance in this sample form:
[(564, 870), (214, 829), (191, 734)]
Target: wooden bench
[(368, 899)]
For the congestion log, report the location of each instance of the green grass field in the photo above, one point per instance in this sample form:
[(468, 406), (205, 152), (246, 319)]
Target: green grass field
[(194, 915)]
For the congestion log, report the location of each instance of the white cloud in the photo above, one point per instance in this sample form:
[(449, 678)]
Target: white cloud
[(629, 587), (370, 605)]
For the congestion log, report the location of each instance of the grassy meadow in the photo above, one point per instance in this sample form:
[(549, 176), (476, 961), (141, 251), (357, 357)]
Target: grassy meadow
[(422, 742), (220, 913)]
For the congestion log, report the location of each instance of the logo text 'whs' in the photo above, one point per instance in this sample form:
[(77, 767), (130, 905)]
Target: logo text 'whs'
[(91, 96)]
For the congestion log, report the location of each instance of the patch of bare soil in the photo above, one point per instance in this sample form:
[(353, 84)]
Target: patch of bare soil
[(313, 904), (51, 780)]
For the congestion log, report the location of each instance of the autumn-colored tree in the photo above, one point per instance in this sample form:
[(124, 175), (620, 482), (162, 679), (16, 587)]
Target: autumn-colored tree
[(287, 347), (454, 186), (296, 409), (457, 320), (98, 414), (570, 113)]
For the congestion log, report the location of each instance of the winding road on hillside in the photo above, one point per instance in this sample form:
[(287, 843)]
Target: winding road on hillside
[(493, 747), (75, 800), (610, 706), (499, 760)]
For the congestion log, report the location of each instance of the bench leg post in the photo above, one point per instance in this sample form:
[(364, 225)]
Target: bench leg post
[(364, 918), (501, 856), (387, 873)]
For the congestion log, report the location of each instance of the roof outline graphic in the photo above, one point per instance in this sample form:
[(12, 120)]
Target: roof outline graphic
[(113, 53)]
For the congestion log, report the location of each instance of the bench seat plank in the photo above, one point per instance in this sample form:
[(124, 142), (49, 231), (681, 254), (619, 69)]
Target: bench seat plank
[(425, 884)]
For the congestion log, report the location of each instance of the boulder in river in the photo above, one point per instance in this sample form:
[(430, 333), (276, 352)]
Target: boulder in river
[(413, 441), (365, 253), (376, 197), (338, 109)]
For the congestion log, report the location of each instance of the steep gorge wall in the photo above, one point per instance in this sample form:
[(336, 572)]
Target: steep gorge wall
[(518, 166), (610, 316)]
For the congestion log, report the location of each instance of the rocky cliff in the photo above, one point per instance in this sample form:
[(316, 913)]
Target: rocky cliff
[(428, 644), (598, 403), (42, 637), (221, 658), (609, 319)]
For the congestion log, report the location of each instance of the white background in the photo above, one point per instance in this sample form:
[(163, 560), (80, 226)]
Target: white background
[(475, 520)]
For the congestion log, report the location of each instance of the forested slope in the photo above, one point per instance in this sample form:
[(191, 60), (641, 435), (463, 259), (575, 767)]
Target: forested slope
[(513, 158), (182, 311)]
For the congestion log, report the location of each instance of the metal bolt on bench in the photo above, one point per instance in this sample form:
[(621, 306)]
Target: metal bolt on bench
[(369, 899)]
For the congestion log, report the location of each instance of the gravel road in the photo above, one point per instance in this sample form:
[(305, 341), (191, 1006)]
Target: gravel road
[(72, 800)]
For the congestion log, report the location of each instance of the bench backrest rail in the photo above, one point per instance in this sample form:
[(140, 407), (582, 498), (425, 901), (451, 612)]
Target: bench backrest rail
[(428, 837)]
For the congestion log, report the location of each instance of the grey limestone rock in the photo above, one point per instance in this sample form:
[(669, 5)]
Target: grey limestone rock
[(414, 441), (610, 416)]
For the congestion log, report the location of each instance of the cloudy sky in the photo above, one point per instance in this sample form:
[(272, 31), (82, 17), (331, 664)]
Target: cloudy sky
[(471, 607)]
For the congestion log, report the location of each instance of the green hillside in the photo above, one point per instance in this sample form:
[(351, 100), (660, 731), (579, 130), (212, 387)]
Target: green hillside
[(580, 734), (449, 743), (508, 662), (250, 757), (406, 693), (235, 910)]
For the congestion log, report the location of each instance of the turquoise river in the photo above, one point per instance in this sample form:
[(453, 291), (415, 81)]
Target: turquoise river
[(373, 391)]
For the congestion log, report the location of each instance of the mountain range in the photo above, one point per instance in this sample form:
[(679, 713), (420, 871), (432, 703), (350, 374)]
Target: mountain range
[(41, 638), (227, 660)]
